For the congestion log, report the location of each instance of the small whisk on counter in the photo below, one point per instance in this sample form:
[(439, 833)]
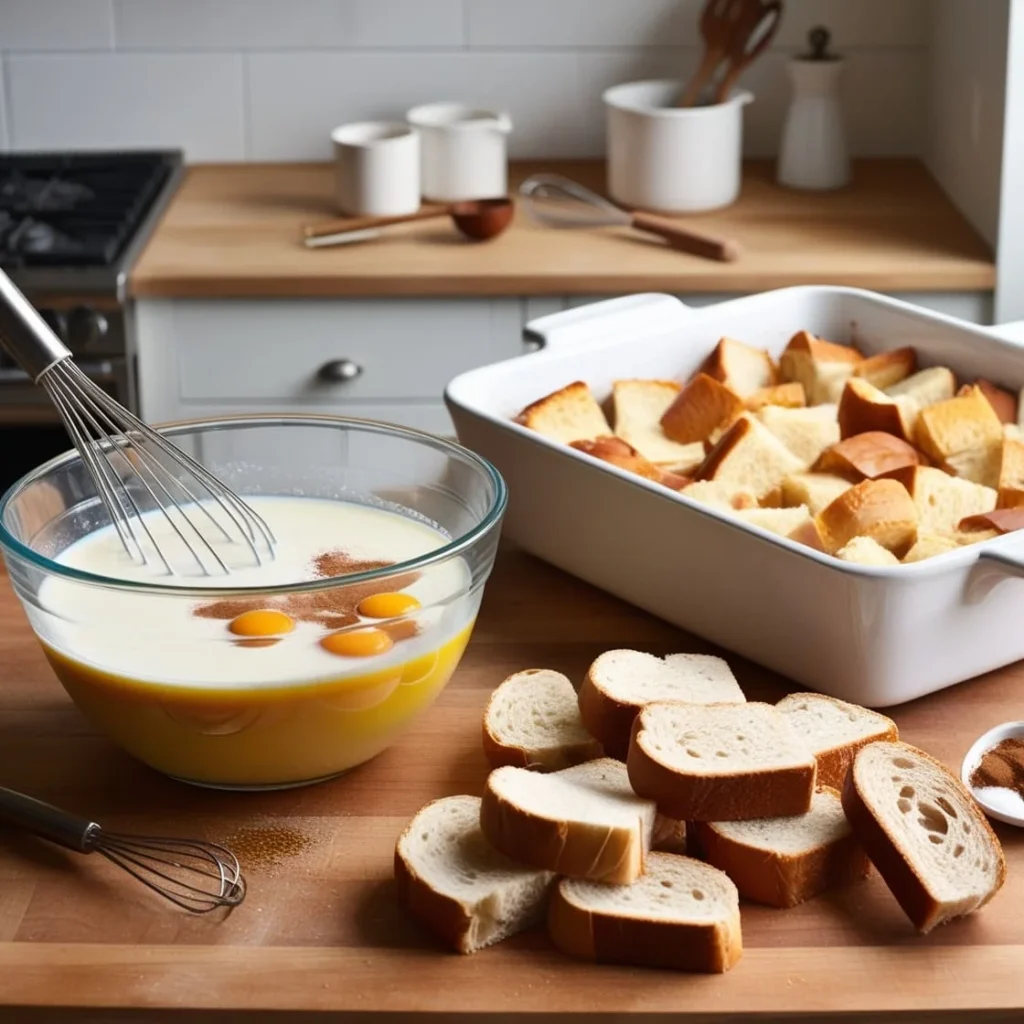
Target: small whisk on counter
[(193, 874), (140, 477)]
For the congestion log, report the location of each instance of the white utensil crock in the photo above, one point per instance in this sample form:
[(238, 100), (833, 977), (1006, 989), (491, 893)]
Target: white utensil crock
[(813, 152), (674, 159), (464, 153), (377, 168)]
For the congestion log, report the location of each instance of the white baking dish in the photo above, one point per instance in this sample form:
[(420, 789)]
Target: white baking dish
[(876, 636)]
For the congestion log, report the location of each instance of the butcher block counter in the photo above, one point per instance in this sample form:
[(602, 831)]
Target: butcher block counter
[(235, 231), (320, 929)]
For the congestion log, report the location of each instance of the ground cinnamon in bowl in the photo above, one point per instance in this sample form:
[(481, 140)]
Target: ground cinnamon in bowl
[(1001, 767)]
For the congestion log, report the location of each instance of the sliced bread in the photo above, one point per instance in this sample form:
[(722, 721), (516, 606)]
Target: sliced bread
[(928, 545), (742, 368), (619, 683), (533, 721), (452, 880), (1004, 403), (834, 731), (879, 509), (964, 436), (863, 408), (703, 407), (865, 551), (784, 861), (887, 368), (867, 456), (924, 832), (616, 452), (788, 396), (720, 762), (785, 522), (569, 414), (638, 407), (805, 432), (720, 494), (682, 915), (822, 367), (1011, 474), (943, 500), (926, 387), (584, 821), (750, 457), (815, 490), (998, 521)]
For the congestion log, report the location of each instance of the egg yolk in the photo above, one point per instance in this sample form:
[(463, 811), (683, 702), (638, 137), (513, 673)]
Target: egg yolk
[(386, 606), (357, 643), (261, 622)]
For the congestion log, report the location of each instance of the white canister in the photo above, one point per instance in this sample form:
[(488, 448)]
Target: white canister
[(464, 151), (674, 159), (813, 152), (377, 168)]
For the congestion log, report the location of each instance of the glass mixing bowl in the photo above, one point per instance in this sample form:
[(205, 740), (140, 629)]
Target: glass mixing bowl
[(236, 732)]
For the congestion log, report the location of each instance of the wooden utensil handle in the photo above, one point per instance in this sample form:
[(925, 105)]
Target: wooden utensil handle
[(337, 226), (681, 238), (708, 65)]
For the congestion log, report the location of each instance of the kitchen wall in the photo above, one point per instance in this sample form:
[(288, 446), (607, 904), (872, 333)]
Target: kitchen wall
[(268, 79)]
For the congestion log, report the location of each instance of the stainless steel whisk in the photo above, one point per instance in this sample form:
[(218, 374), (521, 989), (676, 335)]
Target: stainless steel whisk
[(129, 462), (193, 874)]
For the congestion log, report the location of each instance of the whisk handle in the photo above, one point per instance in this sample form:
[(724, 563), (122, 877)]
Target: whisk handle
[(25, 334), (25, 812), (681, 238)]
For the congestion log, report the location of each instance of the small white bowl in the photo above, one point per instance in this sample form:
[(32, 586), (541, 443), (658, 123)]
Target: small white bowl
[(1003, 810)]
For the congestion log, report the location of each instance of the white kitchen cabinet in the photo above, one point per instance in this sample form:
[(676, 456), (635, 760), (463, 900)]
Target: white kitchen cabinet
[(377, 358)]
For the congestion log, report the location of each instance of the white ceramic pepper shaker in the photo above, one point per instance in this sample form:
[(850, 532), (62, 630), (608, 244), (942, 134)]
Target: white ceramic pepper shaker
[(813, 154)]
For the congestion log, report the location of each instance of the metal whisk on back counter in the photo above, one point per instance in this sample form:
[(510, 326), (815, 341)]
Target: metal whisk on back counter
[(138, 474)]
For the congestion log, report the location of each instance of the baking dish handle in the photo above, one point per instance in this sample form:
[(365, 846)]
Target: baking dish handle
[(1012, 331), (632, 314)]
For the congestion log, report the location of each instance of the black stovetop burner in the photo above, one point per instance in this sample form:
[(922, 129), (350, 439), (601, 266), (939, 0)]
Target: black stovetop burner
[(76, 210)]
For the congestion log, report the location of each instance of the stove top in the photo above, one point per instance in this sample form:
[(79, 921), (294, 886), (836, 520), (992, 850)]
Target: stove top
[(75, 220)]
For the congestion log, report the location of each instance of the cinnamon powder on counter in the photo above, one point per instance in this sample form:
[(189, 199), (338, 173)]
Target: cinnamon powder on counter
[(333, 609), (1002, 767)]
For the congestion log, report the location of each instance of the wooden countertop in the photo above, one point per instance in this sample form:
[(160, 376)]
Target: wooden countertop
[(321, 931), (235, 231)]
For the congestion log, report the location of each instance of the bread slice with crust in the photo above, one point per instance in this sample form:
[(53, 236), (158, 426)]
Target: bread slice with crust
[(681, 915), (928, 545), (787, 396), (879, 509), (867, 456), (865, 551), (924, 832), (834, 731), (822, 367), (887, 368), (926, 387), (584, 821), (863, 408), (533, 721), (994, 523), (782, 862), (1004, 403), (742, 368), (720, 494), (702, 407), (964, 436), (943, 500), (750, 457), (569, 414), (815, 490), (455, 883), (616, 452), (720, 762), (638, 407), (619, 683), (1011, 474), (805, 432)]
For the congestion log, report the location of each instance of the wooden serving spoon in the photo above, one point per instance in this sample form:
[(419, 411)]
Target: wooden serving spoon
[(716, 28), (478, 219)]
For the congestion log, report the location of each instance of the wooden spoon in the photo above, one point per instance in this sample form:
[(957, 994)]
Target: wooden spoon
[(758, 22), (478, 219), (716, 27)]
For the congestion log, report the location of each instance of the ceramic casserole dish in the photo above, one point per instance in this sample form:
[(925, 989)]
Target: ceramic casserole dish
[(874, 636)]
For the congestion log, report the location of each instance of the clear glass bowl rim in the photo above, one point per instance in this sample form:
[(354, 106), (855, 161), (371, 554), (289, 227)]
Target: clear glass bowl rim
[(456, 546)]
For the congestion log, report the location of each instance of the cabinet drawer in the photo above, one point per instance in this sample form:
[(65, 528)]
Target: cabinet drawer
[(324, 351)]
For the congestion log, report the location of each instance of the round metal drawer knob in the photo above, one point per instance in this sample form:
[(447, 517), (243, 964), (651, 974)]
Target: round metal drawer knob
[(337, 371)]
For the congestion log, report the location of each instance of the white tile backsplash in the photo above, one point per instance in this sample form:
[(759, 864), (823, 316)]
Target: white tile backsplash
[(56, 25), (4, 138), (278, 25), (268, 79), (94, 101), (295, 100)]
